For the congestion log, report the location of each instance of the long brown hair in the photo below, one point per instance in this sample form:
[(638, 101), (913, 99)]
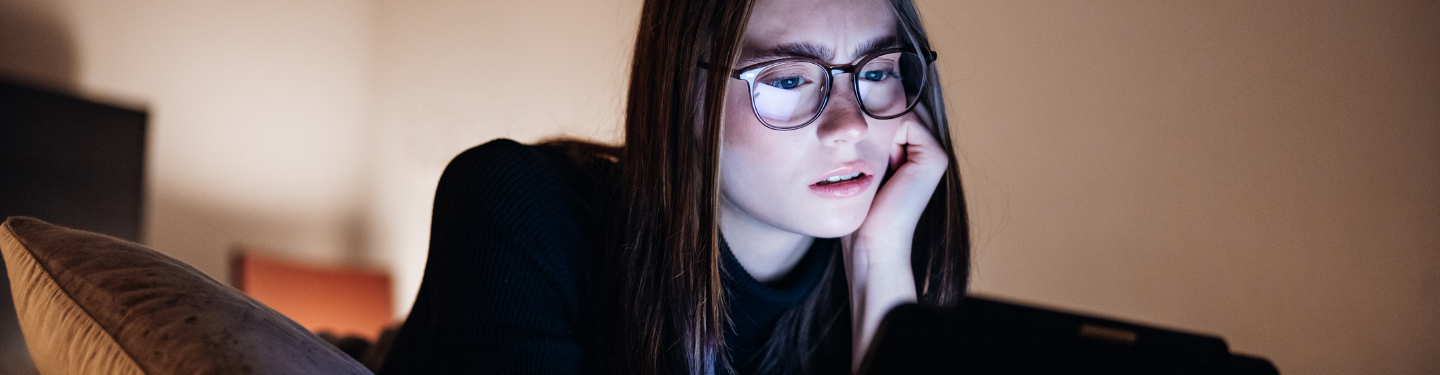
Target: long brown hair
[(660, 303)]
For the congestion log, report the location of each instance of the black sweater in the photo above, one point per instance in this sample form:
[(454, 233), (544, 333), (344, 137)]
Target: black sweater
[(506, 285)]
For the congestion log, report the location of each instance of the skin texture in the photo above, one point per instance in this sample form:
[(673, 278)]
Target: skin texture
[(769, 213)]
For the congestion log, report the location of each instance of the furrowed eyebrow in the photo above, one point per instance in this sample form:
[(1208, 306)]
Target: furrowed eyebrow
[(818, 52), (884, 42), (802, 49)]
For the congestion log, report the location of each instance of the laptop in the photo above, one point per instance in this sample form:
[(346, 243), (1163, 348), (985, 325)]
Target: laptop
[(986, 336)]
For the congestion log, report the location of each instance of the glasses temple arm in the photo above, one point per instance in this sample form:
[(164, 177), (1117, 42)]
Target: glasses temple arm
[(734, 73)]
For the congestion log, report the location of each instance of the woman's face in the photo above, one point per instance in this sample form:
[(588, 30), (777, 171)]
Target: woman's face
[(777, 180)]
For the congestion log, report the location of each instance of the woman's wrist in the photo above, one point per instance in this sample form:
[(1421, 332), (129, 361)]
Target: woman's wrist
[(877, 284), (879, 288), (882, 253)]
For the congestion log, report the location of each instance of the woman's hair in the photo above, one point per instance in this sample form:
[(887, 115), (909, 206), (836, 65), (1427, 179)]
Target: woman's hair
[(661, 305)]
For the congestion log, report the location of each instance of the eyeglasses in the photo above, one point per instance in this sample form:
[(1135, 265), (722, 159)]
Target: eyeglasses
[(789, 93)]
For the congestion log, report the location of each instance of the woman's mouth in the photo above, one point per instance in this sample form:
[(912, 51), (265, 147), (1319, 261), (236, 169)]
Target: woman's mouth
[(842, 186), (839, 179)]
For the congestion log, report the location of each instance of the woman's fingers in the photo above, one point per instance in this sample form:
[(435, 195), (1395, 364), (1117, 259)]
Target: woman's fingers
[(914, 180), (898, 153), (918, 165)]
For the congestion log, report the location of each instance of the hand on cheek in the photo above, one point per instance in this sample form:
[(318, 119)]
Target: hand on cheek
[(916, 166), (877, 255)]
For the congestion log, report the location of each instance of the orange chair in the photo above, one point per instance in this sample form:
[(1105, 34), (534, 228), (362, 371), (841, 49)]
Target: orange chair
[(346, 301)]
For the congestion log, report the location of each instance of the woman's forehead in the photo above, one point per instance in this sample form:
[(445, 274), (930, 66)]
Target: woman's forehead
[(836, 29)]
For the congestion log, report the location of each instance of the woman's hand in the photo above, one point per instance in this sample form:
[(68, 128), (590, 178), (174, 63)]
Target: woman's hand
[(877, 255), (917, 164)]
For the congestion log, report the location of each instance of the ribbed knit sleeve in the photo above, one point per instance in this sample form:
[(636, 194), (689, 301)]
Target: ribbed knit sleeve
[(501, 286)]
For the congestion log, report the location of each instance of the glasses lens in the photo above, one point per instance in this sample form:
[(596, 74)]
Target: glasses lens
[(788, 94), (889, 84)]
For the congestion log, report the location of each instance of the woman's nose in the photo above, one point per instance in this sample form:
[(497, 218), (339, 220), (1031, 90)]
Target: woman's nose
[(842, 121)]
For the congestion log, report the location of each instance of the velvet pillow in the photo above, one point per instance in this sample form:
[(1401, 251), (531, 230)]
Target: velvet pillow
[(90, 304)]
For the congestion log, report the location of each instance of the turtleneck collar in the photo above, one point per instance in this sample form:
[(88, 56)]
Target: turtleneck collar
[(754, 307)]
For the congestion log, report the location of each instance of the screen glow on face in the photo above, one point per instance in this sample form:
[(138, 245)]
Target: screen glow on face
[(780, 104), (790, 92), (786, 180)]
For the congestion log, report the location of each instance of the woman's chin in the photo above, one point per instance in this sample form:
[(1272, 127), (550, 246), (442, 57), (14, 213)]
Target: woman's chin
[(835, 227)]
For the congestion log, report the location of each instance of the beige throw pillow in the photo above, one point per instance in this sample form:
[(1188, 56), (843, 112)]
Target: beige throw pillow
[(92, 304)]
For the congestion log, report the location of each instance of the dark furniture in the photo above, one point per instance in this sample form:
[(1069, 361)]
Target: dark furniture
[(71, 161)]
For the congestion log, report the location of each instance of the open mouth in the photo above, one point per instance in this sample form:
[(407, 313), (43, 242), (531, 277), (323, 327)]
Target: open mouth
[(840, 179), (843, 186)]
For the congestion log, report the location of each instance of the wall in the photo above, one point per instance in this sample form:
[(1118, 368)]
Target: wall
[(1261, 170), (258, 112)]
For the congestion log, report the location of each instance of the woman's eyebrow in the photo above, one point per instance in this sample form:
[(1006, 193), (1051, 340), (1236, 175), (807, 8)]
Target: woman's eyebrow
[(884, 42), (801, 49), (817, 52)]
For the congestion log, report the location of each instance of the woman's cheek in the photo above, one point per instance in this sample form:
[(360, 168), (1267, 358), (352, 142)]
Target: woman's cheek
[(882, 148)]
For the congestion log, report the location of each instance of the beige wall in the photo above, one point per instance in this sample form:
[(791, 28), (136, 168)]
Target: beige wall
[(258, 112), (1267, 171), (1262, 170)]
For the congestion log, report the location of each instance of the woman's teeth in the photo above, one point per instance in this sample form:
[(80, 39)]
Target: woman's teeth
[(834, 179)]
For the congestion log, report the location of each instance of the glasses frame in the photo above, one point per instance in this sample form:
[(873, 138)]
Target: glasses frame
[(750, 72)]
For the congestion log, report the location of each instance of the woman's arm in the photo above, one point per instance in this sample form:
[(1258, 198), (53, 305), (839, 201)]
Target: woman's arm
[(877, 256)]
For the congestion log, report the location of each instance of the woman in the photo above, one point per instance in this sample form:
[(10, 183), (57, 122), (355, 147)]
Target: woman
[(787, 178)]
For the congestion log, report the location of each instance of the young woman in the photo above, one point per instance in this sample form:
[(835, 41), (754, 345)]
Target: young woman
[(787, 178)]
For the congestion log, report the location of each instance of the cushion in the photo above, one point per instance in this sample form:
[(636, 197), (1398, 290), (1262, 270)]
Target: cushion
[(88, 304)]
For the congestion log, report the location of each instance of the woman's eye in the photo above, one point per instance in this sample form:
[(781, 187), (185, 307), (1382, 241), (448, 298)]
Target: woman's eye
[(875, 75), (786, 83)]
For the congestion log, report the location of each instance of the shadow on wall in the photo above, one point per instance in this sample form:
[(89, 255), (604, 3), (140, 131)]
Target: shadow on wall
[(36, 47)]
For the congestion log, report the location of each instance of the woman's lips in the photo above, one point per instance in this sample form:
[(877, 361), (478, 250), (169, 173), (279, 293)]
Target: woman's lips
[(843, 189)]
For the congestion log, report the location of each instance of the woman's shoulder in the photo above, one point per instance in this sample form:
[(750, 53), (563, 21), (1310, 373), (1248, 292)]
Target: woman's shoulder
[(506, 278), (567, 152), (506, 203), (577, 166), (490, 159), (508, 170), (496, 178), (545, 198)]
